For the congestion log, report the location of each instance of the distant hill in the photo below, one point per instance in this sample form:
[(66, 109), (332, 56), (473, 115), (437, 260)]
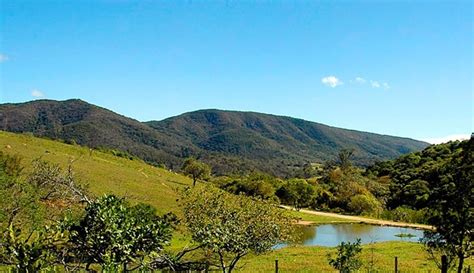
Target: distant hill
[(230, 141)]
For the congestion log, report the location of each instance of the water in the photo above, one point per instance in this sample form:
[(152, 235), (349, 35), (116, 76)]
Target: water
[(333, 234)]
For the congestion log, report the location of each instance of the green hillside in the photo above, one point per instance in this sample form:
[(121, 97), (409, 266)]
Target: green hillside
[(230, 141), (103, 172)]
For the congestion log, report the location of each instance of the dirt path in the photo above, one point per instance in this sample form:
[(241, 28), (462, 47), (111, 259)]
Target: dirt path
[(362, 219)]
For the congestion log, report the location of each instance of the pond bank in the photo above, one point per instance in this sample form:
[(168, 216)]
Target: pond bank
[(359, 219)]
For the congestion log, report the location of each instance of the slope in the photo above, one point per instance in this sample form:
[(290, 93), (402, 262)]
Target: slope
[(278, 143), (103, 172)]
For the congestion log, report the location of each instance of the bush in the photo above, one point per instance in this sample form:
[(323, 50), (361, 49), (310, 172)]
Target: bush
[(114, 233), (365, 204), (346, 260), (406, 214)]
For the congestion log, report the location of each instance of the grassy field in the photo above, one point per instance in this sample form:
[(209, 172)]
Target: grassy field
[(140, 182), (103, 172), (411, 258)]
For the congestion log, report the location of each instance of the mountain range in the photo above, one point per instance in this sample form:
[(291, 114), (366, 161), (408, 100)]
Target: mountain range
[(230, 141)]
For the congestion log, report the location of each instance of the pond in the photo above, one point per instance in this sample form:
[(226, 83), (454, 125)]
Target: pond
[(333, 234)]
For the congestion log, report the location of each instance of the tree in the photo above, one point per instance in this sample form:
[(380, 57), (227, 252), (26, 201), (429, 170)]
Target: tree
[(232, 226), (197, 169), (113, 233), (365, 203), (296, 192), (451, 206), (30, 240), (344, 158), (346, 260), (34, 252)]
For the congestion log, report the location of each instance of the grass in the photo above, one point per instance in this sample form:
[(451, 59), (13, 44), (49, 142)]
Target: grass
[(103, 172), (411, 258), (405, 235)]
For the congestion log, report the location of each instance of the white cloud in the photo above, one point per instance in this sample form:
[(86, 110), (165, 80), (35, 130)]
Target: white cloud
[(37, 93), (360, 80), (331, 81), (438, 140), (386, 85), (3, 58), (375, 84)]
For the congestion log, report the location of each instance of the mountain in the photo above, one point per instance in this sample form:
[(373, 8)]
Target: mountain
[(88, 125), (230, 141)]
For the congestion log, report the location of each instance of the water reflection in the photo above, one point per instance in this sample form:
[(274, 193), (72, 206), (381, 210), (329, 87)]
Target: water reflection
[(334, 234)]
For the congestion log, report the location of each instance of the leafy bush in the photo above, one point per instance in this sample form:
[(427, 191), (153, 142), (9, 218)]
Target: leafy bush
[(232, 226), (365, 204), (347, 260), (405, 214), (114, 233)]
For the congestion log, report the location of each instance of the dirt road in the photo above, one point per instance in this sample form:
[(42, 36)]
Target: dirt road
[(362, 219)]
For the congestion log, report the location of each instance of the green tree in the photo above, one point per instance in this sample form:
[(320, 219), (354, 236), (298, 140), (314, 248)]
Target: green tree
[(113, 233), (296, 192), (33, 252), (451, 206), (232, 226), (344, 158), (347, 260), (197, 170), (30, 240), (365, 204)]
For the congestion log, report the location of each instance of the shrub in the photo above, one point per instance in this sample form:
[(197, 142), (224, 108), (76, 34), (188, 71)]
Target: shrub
[(365, 204)]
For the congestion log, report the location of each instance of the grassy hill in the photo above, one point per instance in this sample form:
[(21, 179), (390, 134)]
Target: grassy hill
[(103, 172), (230, 141)]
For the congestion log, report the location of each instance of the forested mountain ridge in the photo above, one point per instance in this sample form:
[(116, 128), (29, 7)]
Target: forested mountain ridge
[(278, 140), (230, 141)]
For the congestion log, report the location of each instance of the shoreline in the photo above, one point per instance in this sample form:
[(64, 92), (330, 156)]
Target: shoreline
[(356, 219)]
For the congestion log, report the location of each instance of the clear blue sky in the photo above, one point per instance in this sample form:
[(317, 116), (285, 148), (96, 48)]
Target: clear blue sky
[(401, 68)]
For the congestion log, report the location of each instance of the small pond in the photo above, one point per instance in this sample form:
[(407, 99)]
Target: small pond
[(333, 234)]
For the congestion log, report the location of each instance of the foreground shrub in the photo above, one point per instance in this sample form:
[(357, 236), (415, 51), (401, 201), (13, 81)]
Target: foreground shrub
[(232, 226)]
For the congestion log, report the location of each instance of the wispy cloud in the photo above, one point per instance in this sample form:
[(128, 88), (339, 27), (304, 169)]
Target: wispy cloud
[(37, 93), (386, 85), (438, 140), (360, 80), (331, 81), (3, 58), (375, 84)]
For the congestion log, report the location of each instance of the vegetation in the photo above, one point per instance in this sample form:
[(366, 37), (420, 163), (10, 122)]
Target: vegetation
[(231, 142), (412, 258), (114, 234), (32, 189), (102, 173), (233, 226), (196, 169), (451, 207), (346, 260)]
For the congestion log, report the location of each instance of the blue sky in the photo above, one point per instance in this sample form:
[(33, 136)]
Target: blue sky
[(402, 68)]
